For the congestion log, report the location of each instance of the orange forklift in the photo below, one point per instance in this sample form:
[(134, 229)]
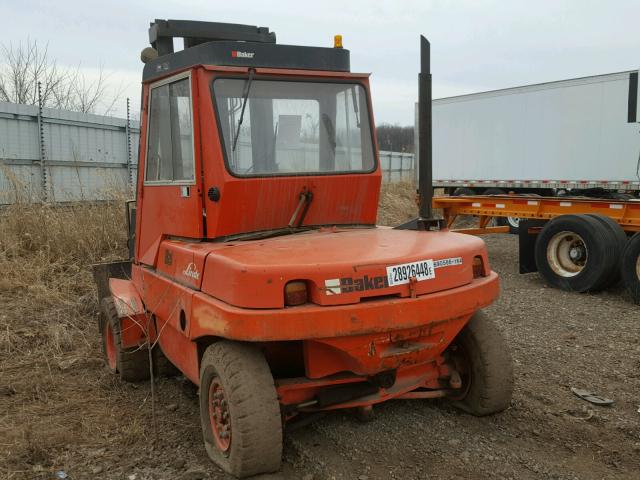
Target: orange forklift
[(256, 268)]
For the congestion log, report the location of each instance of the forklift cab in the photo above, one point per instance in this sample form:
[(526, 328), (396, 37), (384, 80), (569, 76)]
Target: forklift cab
[(242, 135)]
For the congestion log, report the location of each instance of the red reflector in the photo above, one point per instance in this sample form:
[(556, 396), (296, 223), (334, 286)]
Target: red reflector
[(295, 293), (478, 267)]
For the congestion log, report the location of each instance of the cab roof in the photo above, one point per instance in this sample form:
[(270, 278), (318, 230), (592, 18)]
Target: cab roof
[(225, 44)]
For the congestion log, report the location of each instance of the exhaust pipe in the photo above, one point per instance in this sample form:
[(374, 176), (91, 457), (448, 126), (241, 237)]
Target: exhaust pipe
[(425, 160)]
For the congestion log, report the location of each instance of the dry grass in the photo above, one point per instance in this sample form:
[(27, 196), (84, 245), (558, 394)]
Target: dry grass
[(45, 256), (55, 396), (397, 203), (47, 321)]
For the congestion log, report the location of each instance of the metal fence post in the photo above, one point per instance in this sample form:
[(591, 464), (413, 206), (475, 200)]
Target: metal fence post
[(128, 145), (44, 180)]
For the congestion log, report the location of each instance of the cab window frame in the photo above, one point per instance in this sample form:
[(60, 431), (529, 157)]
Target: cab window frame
[(277, 78), (167, 81)]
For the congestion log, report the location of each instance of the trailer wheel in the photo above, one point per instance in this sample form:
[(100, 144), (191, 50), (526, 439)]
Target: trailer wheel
[(132, 364), (514, 225), (462, 191), (630, 268), (481, 356), (576, 253), (239, 410), (620, 241)]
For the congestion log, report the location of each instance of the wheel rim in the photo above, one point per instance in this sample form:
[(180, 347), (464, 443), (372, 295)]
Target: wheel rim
[(462, 364), (110, 346), (219, 415), (567, 254), (513, 222), (638, 267)]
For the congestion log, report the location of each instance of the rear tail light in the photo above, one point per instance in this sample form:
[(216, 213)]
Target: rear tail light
[(478, 267), (295, 293)]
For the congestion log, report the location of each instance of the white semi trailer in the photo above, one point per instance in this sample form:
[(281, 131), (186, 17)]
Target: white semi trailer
[(576, 137)]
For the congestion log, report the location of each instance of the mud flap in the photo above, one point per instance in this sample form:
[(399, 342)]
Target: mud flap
[(527, 234)]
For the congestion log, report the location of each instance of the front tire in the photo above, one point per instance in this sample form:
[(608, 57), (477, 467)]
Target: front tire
[(239, 410), (481, 357)]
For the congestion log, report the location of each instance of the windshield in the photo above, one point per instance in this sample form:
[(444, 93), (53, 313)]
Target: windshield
[(286, 128)]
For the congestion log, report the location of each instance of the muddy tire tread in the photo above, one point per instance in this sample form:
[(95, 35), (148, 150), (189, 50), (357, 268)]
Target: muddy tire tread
[(492, 367), (256, 423), (132, 364)]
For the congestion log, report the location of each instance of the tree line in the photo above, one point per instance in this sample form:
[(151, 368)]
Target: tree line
[(395, 138)]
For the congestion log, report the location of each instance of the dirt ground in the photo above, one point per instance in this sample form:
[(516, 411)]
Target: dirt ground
[(64, 412)]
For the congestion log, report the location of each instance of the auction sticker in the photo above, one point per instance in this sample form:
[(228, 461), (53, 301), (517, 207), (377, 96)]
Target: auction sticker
[(421, 270)]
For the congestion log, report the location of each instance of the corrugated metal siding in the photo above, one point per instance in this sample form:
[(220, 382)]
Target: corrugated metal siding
[(397, 166), (85, 155)]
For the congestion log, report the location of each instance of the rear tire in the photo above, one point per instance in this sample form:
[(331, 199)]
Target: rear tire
[(576, 253), (481, 356), (620, 241), (239, 410), (162, 366), (462, 191), (133, 363), (630, 268)]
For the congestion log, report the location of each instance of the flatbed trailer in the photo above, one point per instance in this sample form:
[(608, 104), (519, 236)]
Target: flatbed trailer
[(576, 243)]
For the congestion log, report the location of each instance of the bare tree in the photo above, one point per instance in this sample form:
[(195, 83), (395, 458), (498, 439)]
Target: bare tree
[(395, 138), (23, 65)]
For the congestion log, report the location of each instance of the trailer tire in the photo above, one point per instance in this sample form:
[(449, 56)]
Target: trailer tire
[(620, 241), (576, 253), (239, 409), (462, 191), (480, 354), (133, 363), (630, 268)]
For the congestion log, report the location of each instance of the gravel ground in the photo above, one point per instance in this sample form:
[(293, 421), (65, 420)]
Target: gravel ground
[(69, 414)]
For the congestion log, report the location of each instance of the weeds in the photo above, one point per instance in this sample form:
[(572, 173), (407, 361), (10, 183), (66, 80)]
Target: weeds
[(48, 335), (47, 315), (397, 203)]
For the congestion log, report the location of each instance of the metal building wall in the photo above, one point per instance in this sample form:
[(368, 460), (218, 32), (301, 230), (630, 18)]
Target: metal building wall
[(397, 166), (61, 156)]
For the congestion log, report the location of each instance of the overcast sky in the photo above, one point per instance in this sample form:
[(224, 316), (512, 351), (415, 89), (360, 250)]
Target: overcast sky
[(476, 45)]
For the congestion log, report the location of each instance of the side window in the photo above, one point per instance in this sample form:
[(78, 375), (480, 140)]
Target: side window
[(170, 142)]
